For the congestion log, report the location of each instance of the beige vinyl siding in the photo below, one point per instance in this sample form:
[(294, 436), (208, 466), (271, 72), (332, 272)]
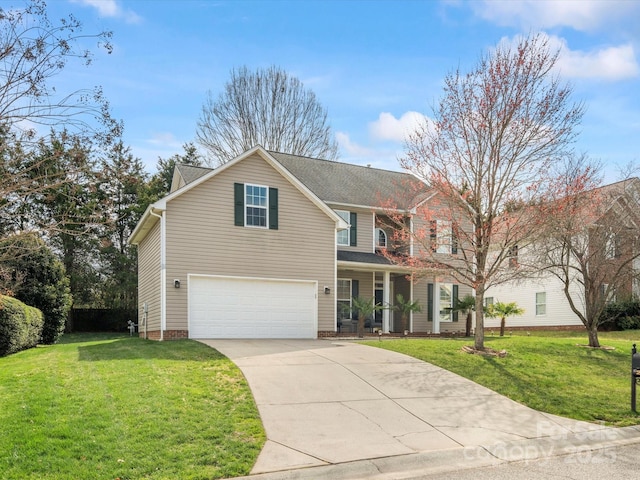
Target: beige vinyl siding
[(202, 239), (149, 279)]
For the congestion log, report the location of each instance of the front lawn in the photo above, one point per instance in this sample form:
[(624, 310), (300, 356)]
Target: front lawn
[(117, 407), (547, 371)]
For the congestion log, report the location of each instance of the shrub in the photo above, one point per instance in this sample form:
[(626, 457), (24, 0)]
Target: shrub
[(20, 326), (45, 285), (624, 315)]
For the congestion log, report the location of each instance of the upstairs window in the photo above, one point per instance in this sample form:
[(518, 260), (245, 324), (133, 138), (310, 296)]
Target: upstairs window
[(255, 206), (256, 201), (381, 238), (442, 237), (349, 236)]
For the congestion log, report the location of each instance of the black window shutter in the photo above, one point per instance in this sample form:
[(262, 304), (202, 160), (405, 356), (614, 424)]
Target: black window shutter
[(433, 234), (355, 292), (454, 241), (273, 208), (455, 302), (353, 235), (430, 302), (238, 191)]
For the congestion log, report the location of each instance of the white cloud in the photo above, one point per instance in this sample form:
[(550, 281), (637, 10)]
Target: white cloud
[(111, 8), (608, 63), (164, 139), (388, 127), (351, 148), (579, 15), (613, 63)]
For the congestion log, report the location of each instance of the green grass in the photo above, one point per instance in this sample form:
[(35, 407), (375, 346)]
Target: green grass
[(116, 407), (547, 371)]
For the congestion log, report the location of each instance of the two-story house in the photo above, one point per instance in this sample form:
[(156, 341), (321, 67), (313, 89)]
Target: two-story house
[(271, 245)]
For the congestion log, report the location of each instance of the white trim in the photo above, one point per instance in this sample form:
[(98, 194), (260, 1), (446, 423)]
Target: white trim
[(347, 229), (163, 271), (266, 207), (367, 267), (385, 301)]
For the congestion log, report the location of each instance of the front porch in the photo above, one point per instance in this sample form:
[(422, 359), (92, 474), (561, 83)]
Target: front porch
[(373, 276)]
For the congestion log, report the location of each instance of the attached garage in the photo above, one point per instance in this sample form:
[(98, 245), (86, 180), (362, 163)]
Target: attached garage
[(238, 307)]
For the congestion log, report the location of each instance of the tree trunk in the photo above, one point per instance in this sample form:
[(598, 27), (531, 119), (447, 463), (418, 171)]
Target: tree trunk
[(403, 321), (479, 333), (360, 327), (467, 330), (503, 322), (593, 337)]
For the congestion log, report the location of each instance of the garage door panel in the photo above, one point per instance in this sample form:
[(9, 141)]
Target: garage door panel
[(230, 307)]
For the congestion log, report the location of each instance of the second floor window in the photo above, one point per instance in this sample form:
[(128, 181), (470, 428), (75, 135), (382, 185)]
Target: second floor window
[(381, 238), (442, 238), (256, 202), (349, 236)]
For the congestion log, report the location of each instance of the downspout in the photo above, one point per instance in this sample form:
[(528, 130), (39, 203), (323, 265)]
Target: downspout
[(163, 272)]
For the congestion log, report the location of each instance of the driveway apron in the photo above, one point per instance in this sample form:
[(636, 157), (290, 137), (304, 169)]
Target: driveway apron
[(326, 402)]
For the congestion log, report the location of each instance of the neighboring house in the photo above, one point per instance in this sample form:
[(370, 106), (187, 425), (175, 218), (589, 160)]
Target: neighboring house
[(608, 226), (272, 245)]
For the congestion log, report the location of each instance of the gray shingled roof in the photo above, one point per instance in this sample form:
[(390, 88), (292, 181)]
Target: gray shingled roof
[(344, 183), (190, 173), (341, 183), (362, 257)]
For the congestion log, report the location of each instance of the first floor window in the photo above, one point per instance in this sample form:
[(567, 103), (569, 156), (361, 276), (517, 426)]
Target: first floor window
[(446, 302), (541, 303), (488, 301), (256, 201), (344, 298)]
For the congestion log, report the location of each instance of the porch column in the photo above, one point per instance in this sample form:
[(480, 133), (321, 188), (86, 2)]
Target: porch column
[(385, 301), (436, 308)]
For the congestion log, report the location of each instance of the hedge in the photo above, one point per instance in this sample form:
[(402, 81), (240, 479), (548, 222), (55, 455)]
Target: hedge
[(20, 326)]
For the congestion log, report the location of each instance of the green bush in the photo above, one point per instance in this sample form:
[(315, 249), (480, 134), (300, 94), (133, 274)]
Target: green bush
[(20, 326), (45, 285), (624, 315)]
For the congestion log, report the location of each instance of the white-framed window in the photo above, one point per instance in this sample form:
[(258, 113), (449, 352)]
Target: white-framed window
[(344, 236), (446, 302), (343, 296), (381, 238), (256, 205), (611, 245), (488, 301), (541, 303), (441, 236)]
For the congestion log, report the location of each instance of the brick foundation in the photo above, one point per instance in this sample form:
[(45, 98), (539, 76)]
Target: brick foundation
[(168, 334)]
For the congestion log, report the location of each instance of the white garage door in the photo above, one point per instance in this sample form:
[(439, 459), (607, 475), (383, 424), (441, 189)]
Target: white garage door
[(231, 307)]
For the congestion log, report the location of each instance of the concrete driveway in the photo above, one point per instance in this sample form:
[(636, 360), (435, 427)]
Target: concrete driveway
[(326, 402)]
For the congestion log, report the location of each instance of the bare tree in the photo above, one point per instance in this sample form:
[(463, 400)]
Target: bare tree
[(265, 107), (33, 51), (590, 242), (496, 132)]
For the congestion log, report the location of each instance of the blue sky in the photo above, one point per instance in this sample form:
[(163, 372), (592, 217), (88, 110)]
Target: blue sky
[(375, 65)]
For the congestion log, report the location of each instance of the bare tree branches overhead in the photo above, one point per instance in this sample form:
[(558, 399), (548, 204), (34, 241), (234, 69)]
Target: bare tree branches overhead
[(265, 107), (33, 52)]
